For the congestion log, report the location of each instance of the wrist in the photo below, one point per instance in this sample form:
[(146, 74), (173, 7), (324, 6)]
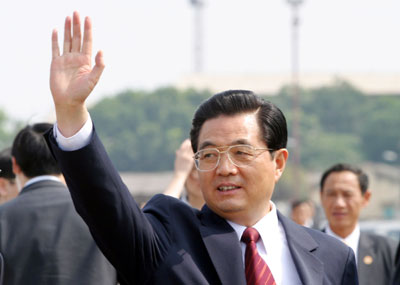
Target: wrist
[(70, 119)]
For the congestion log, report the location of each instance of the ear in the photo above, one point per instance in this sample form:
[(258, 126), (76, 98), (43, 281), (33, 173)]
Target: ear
[(3, 191), (366, 197), (15, 167), (280, 157)]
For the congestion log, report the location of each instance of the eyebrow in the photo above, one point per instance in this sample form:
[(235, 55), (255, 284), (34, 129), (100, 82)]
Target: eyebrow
[(235, 142)]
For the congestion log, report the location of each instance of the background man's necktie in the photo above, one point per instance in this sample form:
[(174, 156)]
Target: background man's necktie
[(257, 270)]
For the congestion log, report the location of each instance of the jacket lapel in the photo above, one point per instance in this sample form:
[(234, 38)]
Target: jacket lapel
[(223, 247), (365, 248), (301, 246)]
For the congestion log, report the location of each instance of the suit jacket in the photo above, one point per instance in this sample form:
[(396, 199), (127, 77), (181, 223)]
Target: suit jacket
[(375, 259), (396, 275), (1, 269), (171, 243), (44, 241)]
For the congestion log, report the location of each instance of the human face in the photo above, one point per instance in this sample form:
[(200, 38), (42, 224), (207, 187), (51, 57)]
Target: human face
[(342, 200), (302, 214), (239, 194), (8, 190)]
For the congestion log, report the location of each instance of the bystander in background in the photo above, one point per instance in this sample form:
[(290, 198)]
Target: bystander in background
[(43, 239), (303, 212), (8, 187), (185, 181), (344, 193)]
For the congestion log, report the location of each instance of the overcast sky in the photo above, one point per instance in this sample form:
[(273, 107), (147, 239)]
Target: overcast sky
[(149, 43)]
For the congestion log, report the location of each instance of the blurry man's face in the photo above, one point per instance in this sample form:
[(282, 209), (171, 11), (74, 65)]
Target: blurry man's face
[(8, 190), (342, 201), (239, 194), (302, 214)]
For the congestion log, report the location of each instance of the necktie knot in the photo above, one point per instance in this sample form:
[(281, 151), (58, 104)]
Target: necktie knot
[(249, 235)]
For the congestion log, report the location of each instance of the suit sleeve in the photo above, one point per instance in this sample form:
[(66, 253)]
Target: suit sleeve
[(133, 244)]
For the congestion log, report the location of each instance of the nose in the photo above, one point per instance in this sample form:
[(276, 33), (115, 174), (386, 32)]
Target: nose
[(225, 166), (339, 201)]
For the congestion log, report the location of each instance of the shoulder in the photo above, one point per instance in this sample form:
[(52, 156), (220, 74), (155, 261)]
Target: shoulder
[(166, 206), (329, 242), (324, 243), (378, 241)]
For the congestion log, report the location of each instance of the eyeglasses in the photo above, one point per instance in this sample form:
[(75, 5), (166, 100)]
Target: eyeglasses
[(240, 155)]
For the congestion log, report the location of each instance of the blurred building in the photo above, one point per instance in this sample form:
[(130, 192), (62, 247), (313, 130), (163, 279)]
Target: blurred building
[(369, 83)]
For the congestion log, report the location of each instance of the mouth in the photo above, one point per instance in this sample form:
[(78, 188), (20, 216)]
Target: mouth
[(339, 215), (227, 188)]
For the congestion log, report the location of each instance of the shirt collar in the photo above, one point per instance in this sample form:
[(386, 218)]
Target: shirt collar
[(41, 178), (267, 226), (351, 240)]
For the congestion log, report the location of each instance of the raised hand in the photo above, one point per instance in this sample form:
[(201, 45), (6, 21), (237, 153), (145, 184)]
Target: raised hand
[(184, 164), (184, 158), (72, 78)]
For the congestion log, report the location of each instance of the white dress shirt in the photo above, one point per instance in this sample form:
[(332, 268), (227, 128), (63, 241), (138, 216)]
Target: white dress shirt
[(272, 246), (351, 240)]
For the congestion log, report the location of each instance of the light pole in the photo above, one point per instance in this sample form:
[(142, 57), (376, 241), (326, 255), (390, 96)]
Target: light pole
[(295, 86), (198, 6)]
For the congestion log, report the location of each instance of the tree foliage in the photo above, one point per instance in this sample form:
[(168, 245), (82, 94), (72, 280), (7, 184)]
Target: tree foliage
[(141, 130), (338, 123), (8, 129)]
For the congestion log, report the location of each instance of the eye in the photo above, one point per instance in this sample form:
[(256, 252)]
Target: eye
[(207, 154), (239, 152), (348, 194), (330, 194), (242, 151)]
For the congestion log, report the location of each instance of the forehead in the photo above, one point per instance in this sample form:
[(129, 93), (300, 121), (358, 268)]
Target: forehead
[(229, 130), (342, 181)]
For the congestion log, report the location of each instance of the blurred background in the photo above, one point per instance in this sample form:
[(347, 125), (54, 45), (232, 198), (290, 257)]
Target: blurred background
[(332, 66)]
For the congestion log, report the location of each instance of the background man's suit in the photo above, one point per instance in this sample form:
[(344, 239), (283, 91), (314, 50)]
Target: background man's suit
[(396, 275), (172, 243), (44, 241), (375, 259)]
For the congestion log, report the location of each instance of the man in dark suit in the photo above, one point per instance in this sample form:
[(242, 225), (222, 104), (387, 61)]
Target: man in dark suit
[(344, 193), (239, 144), (43, 240)]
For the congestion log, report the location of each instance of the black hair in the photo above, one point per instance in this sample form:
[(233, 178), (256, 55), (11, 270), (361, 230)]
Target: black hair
[(271, 120), (299, 202), (6, 165), (361, 175), (32, 153)]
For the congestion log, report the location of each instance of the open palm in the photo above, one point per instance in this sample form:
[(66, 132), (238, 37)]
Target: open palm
[(72, 77)]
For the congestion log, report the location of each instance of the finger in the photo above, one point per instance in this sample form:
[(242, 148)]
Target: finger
[(54, 44), (87, 38), (76, 36), (98, 68), (67, 36)]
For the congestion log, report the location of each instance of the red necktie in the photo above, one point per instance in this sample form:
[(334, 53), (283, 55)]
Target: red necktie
[(257, 270)]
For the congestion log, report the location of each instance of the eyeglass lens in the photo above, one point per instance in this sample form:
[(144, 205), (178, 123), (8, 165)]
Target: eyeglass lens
[(240, 155)]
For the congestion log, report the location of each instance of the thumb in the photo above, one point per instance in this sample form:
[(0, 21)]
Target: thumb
[(98, 68)]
